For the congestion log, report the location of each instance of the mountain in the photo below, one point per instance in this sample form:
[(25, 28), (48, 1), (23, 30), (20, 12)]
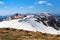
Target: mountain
[(51, 20), (46, 24), (2, 17)]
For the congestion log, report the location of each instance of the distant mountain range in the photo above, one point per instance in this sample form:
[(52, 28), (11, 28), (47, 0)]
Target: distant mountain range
[(56, 14), (2, 17)]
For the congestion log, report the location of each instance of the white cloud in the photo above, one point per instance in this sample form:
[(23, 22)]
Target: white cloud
[(1, 2), (43, 2), (31, 6), (49, 4)]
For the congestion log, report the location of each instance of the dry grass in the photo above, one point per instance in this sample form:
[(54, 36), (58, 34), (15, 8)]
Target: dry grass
[(14, 34)]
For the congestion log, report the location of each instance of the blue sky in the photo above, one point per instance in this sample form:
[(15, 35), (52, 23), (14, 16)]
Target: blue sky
[(29, 6)]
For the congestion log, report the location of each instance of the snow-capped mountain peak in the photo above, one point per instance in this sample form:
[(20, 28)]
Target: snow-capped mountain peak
[(32, 23)]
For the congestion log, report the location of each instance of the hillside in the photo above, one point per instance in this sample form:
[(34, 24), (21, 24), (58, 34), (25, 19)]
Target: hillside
[(31, 27), (14, 34), (33, 23)]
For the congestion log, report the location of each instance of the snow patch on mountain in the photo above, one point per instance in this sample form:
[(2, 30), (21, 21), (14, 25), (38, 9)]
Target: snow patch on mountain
[(28, 23)]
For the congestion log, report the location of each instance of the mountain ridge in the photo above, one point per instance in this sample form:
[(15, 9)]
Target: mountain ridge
[(42, 23)]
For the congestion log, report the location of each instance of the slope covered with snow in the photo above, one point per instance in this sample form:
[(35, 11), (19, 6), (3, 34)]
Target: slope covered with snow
[(29, 24), (16, 24)]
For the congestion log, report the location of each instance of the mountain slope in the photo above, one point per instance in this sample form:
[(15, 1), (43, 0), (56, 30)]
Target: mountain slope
[(28, 23), (15, 34)]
